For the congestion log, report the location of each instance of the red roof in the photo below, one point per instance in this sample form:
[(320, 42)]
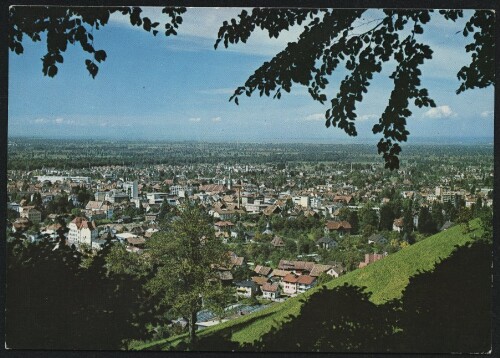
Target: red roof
[(259, 280), (305, 279), (263, 270), (290, 278), (270, 287), (336, 225), (82, 223)]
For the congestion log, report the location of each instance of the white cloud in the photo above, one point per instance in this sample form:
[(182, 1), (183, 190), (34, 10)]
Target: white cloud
[(316, 117), (57, 121), (195, 119), (487, 114), (440, 112), (216, 119), (366, 117)]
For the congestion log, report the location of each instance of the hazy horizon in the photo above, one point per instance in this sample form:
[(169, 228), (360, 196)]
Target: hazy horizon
[(348, 140)]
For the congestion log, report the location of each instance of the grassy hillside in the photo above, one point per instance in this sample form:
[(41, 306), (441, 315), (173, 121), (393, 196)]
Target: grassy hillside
[(385, 279)]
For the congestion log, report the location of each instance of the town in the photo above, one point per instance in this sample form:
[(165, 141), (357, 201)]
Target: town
[(289, 221)]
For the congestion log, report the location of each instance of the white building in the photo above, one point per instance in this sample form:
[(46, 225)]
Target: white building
[(301, 200), (290, 284), (60, 178), (131, 188), (270, 291), (305, 282), (316, 202), (156, 198), (116, 196), (82, 231)]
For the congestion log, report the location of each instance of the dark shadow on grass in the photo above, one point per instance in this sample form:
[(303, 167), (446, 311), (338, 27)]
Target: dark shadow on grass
[(221, 340)]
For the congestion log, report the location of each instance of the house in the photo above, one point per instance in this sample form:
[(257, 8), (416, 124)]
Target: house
[(236, 260), (156, 197), (259, 280), (377, 239), (343, 199), (318, 269), (137, 242), (98, 244), (263, 270), (326, 243), (305, 282), (32, 214), (271, 210), (296, 267), (397, 225), (370, 258), (277, 242), (290, 284), (224, 275), (82, 231), (223, 213), (248, 236), (212, 189), (270, 291), (116, 196), (246, 288), (95, 208), (277, 275), (124, 236), (223, 225), (151, 217), (340, 227), (310, 213), (335, 270)]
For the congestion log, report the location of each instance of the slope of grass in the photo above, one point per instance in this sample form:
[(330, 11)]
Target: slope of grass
[(385, 279)]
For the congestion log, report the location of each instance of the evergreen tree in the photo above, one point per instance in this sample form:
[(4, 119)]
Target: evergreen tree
[(408, 226), (437, 214), (386, 217), (186, 258), (368, 218), (425, 223)]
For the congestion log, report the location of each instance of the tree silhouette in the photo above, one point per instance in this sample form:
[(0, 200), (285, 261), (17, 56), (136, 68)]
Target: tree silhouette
[(329, 40), (72, 25), (54, 303)]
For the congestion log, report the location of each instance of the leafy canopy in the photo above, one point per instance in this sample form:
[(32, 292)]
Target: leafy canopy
[(329, 40)]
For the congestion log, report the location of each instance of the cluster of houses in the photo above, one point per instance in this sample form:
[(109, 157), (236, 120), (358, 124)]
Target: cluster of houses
[(289, 279), (224, 197)]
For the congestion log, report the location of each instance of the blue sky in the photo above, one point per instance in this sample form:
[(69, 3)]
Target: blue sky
[(177, 88)]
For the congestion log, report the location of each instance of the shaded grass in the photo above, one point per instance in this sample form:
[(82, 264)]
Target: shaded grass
[(385, 279)]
